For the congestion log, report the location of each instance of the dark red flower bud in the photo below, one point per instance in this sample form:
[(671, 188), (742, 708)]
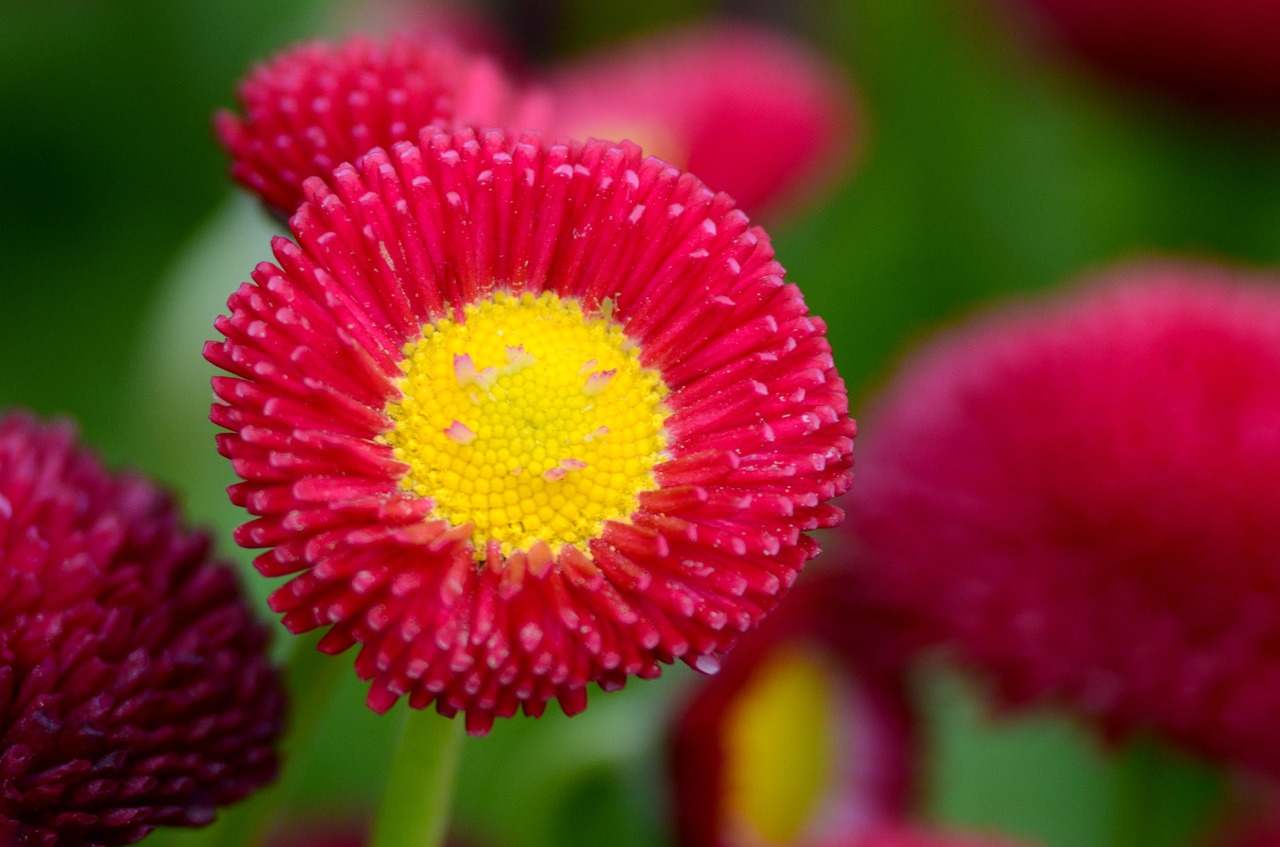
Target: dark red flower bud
[(135, 688)]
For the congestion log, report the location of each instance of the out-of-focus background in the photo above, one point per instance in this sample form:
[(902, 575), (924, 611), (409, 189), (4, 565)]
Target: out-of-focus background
[(984, 165)]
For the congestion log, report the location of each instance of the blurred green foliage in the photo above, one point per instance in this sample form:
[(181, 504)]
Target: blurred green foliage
[(984, 169), (109, 166)]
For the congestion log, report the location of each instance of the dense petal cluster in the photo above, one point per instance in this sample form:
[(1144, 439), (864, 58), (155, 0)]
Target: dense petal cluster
[(399, 365), (1080, 497), (135, 690), (1214, 52), (317, 105), (751, 112), (807, 732)]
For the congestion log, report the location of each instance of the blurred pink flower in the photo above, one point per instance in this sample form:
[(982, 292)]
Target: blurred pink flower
[(806, 732), (1080, 497), (753, 113)]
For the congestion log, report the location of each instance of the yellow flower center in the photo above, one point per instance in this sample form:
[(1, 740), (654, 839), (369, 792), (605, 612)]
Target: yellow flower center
[(779, 744), (528, 420)]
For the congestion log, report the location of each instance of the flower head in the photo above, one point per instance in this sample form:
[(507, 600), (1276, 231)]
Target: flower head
[(1215, 52), (525, 417), (135, 690), (317, 105), (806, 732), (751, 112), (1080, 497)]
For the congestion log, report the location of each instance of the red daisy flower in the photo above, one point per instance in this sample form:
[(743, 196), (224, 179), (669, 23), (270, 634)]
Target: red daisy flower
[(804, 734), (135, 689), (1215, 52), (318, 105), (526, 417), (753, 113), (1080, 497)]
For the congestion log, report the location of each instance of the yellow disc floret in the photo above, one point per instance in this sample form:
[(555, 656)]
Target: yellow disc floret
[(778, 743), (528, 420)]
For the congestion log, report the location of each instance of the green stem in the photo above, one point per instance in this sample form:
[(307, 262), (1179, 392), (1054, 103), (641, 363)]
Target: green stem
[(1133, 795), (1162, 798), (419, 793)]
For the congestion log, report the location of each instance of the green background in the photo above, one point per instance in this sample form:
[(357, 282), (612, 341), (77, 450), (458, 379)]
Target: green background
[(985, 168)]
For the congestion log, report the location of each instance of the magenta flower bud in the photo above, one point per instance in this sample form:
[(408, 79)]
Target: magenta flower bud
[(318, 105), (135, 688)]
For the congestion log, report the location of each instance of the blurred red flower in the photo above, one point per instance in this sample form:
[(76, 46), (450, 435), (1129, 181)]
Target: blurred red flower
[(753, 113), (1214, 52), (1079, 497)]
